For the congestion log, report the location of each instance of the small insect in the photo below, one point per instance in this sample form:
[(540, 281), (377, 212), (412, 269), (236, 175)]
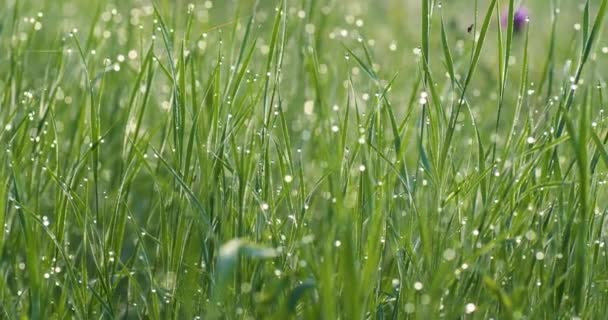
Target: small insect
[(470, 28)]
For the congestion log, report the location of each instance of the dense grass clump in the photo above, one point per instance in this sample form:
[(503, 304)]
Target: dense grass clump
[(305, 159)]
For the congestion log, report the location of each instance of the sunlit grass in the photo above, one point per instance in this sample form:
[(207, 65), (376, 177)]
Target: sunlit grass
[(311, 159)]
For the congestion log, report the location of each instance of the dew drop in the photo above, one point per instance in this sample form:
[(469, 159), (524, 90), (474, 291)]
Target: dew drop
[(449, 254), (470, 308)]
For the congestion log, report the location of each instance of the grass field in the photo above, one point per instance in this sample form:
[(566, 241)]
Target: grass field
[(277, 159)]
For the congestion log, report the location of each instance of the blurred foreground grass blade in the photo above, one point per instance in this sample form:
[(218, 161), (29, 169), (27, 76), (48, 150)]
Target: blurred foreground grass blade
[(229, 255)]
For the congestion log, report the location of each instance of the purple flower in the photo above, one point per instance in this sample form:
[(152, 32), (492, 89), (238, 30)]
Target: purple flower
[(520, 18)]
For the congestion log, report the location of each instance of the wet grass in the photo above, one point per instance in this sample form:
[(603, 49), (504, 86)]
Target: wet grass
[(303, 159)]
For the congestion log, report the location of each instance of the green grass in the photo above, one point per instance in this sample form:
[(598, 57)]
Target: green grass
[(303, 159)]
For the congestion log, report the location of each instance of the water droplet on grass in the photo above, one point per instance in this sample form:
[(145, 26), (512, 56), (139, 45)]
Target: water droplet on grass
[(395, 283), (409, 307), (531, 235), (470, 308), (449, 254), (540, 255)]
